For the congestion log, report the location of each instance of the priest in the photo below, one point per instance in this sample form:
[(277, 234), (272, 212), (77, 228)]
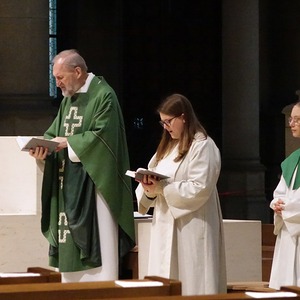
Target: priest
[(87, 204)]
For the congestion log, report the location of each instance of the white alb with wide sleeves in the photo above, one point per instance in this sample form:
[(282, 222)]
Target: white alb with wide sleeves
[(286, 260), (187, 241)]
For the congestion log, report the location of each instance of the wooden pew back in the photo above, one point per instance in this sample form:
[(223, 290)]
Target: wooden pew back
[(87, 290), (44, 275), (268, 245), (239, 296)]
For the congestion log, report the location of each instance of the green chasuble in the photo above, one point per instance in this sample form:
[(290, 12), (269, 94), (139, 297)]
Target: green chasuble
[(288, 167), (94, 126)]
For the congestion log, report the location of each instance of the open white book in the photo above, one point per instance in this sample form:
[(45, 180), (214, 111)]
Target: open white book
[(27, 142), (132, 283), (25, 274), (140, 172), (279, 294)]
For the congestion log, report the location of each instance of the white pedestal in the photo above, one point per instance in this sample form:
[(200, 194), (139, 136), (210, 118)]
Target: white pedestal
[(242, 246), (22, 243), (18, 180), (243, 250)]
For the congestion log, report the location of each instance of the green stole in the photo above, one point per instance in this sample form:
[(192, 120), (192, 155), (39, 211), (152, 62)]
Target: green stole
[(288, 167), (97, 136)]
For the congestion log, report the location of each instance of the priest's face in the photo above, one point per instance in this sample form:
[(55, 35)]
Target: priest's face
[(294, 121), (67, 78)]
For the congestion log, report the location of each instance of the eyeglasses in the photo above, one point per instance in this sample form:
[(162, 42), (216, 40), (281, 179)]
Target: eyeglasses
[(294, 120), (166, 122)]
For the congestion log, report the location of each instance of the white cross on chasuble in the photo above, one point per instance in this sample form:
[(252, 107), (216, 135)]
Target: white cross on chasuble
[(62, 220), (72, 121), (64, 231), (61, 175)]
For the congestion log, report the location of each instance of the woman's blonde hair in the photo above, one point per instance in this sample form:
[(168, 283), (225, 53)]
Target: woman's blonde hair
[(178, 105)]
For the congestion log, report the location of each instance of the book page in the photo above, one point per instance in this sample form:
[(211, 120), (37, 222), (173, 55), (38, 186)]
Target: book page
[(23, 140), (137, 215), (151, 173), (271, 294), (132, 283), (7, 275), (27, 143), (130, 173), (140, 172)]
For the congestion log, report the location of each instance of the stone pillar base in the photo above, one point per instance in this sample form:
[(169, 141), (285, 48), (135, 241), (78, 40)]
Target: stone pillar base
[(242, 191)]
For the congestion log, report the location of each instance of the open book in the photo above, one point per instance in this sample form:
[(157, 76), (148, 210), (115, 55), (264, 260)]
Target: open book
[(19, 274), (136, 283), (27, 142), (140, 172)]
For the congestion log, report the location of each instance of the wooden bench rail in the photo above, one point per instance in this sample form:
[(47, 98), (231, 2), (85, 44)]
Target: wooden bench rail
[(174, 285), (87, 290), (45, 275), (268, 244), (292, 288), (235, 296)]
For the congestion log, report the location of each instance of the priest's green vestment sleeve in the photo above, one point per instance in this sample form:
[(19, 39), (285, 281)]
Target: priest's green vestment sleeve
[(97, 136)]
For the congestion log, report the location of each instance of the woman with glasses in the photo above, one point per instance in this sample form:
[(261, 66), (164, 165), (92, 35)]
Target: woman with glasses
[(187, 241), (286, 206)]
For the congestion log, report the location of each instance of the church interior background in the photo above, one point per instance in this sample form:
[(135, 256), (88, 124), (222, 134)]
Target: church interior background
[(237, 61)]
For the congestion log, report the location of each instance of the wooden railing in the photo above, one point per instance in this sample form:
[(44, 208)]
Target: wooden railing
[(90, 290), (268, 244), (33, 275)]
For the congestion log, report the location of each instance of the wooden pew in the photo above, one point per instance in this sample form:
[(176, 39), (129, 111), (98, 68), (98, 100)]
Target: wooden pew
[(130, 264), (294, 289), (250, 286), (88, 290), (237, 296), (268, 245), (212, 297), (234, 296), (33, 275)]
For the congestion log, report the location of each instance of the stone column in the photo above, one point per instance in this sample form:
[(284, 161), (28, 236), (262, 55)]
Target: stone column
[(241, 182), (24, 56)]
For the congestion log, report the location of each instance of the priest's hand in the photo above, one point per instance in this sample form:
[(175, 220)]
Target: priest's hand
[(62, 143), (39, 153)]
